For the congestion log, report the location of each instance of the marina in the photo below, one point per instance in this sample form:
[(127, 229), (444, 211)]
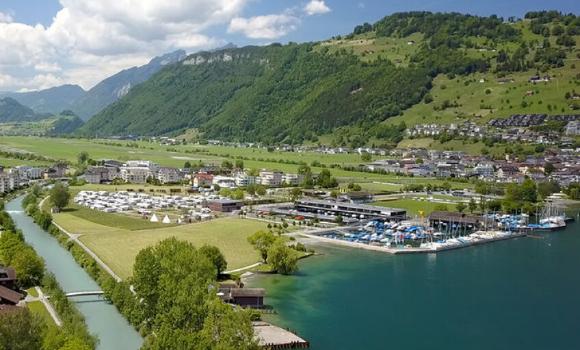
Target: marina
[(489, 296)]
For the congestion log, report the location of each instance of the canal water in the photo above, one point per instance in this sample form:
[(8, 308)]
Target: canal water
[(516, 294), (102, 318)]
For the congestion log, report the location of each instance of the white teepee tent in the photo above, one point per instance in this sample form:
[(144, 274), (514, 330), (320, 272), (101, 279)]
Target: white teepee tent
[(154, 218), (166, 220)]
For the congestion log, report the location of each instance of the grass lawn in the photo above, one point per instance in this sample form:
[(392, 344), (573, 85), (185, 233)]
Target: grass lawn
[(36, 307), (118, 246), (121, 221), (413, 206), (32, 292)]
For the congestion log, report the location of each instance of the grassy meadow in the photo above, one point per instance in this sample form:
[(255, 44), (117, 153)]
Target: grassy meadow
[(117, 239)]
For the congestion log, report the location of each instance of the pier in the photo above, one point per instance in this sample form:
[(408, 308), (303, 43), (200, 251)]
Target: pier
[(273, 337), (477, 238)]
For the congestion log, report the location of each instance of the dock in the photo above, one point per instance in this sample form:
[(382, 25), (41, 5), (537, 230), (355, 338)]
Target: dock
[(273, 337), (487, 237)]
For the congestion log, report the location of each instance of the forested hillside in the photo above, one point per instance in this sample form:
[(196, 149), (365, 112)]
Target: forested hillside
[(12, 111), (296, 92), (52, 100)]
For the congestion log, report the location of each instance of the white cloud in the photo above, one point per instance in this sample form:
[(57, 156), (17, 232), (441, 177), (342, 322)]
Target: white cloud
[(5, 18), (316, 7), (91, 39), (264, 27)]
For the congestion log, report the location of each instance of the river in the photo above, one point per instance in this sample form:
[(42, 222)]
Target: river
[(517, 294), (102, 318)]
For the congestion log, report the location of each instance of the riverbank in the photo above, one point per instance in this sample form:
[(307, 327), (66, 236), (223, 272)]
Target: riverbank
[(102, 318), (464, 299)]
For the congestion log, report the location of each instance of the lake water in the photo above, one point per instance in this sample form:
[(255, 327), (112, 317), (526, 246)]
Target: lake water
[(516, 294), (102, 318)]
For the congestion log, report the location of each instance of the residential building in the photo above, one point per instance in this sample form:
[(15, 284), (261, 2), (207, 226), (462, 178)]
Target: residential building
[(202, 180), (137, 171), (271, 178), (243, 179), (292, 179), (224, 205), (224, 181), (8, 182), (167, 175)]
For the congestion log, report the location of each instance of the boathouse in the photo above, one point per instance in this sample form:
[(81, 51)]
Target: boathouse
[(246, 297), (9, 296), (446, 221), (359, 211)]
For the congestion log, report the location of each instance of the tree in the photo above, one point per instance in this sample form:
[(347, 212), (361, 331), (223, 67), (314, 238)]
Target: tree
[(59, 195), (545, 189), (215, 256), (366, 157), (472, 205), (325, 179), (261, 190), (440, 207), (251, 189), (226, 328), (83, 157), (239, 164), (460, 207), (187, 165), (226, 164), (20, 330), (29, 267), (295, 194), (262, 241), (549, 168), (282, 258)]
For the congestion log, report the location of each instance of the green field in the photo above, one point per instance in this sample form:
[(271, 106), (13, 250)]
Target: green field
[(68, 149), (37, 307), (414, 206), (118, 247)]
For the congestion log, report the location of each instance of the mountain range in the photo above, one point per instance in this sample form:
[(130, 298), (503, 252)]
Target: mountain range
[(87, 103), (298, 92)]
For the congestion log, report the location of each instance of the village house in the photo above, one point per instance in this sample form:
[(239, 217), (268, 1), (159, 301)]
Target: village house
[(202, 180), (9, 295)]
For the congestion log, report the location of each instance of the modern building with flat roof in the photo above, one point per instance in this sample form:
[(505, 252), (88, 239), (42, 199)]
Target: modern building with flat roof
[(361, 211)]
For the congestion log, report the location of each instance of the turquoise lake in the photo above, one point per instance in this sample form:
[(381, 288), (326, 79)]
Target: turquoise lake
[(517, 294)]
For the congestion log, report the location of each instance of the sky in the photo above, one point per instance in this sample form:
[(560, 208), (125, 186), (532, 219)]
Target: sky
[(47, 43)]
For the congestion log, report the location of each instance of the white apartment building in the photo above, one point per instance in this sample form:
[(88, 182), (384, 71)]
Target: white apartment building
[(271, 178), (224, 181), (243, 180), (293, 179), (8, 182)]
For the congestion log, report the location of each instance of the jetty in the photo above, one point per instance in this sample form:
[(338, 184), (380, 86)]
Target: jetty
[(273, 337), (474, 239)]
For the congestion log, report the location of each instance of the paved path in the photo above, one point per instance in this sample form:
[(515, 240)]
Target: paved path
[(75, 238), (48, 307), (243, 268)]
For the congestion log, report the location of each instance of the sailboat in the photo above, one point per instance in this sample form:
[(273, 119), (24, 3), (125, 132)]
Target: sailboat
[(552, 219)]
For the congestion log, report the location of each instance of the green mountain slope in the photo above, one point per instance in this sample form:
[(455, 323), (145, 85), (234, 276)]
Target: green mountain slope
[(293, 93), (52, 100), (272, 93), (12, 111)]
